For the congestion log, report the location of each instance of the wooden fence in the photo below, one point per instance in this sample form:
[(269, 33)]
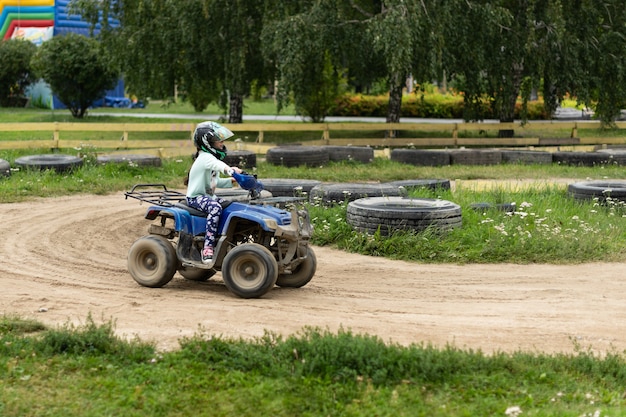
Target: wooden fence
[(174, 137)]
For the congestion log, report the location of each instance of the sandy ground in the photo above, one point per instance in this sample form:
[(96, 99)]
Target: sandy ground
[(64, 258)]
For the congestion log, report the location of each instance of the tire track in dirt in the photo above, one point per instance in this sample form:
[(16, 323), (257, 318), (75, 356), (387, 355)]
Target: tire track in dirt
[(67, 257)]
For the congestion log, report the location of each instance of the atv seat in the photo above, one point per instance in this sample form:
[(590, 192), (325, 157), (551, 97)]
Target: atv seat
[(182, 204)]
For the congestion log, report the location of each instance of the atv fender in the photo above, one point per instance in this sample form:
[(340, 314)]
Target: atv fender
[(183, 221)]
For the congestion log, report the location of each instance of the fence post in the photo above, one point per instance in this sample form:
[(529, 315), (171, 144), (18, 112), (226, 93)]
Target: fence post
[(455, 134), (574, 131), (55, 136), (326, 134)]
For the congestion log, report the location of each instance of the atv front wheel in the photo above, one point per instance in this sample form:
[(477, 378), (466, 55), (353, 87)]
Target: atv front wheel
[(249, 270), (300, 275), (152, 261)]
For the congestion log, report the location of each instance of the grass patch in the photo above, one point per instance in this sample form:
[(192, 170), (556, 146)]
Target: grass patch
[(547, 226), (87, 370)]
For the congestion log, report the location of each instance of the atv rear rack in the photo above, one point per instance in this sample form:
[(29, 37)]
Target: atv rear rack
[(155, 194)]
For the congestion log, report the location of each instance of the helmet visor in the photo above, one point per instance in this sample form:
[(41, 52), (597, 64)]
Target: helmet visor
[(221, 133)]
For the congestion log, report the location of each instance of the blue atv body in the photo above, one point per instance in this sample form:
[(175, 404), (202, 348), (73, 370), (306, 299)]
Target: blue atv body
[(258, 244)]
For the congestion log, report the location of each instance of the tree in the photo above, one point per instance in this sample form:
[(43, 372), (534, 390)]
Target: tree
[(303, 43), (206, 49), (401, 33), (76, 69), (597, 30), (15, 70), (365, 39), (497, 50)]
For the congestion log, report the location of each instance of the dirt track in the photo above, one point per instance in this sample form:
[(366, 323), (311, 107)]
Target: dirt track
[(63, 258)]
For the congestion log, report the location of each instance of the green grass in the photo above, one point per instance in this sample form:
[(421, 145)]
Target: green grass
[(547, 227), (88, 371)]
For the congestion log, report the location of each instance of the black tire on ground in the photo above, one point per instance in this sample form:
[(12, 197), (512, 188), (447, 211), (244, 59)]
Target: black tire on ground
[(615, 156), (238, 194), (278, 202), (56, 162), (362, 154), (526, 157), (249, 270), (131, 159), (475, 156), (330, 194), (302, 274), (5, 168), (432, 184), (389, 214), (242, 159), (152, 261), (506, 207), (421, 157), (196, 274), (600, 189), (587, 159), (283, 187), (293, 156)]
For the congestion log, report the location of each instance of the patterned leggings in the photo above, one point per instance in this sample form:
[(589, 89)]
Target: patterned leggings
[(213, 208)]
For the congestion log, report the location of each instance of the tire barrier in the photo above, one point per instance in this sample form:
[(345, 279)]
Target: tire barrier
[(238, 194), (526, 157), (293, 156), (242, 159), (131, 159), (421, 157), (362, 154), (506, 207), (615, 156), (330, 194), (56, 162), (284, 187), (475, 157), (278, 202), (602, 190), (390, 214), (5, 168), (432, 184), (586, 159)]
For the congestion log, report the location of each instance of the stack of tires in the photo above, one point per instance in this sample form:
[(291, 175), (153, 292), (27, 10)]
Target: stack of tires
[(386, 215)]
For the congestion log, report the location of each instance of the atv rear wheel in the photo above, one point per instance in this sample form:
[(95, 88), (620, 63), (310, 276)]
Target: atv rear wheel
[(302, 274), (152, 261), (249, 270)]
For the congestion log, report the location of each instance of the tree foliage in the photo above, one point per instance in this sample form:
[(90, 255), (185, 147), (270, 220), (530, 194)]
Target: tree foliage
[(76, 69), (204, 49), (15, 70), (494, 51)]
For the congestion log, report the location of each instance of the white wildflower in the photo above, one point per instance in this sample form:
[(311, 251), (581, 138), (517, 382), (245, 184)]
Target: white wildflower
[(513, 411)]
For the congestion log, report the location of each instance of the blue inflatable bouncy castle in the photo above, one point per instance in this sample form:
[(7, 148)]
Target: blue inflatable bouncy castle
[(40, 20)]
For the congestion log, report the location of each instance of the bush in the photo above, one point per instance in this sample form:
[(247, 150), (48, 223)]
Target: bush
[(436, 106), (76, 69), (15, 71)]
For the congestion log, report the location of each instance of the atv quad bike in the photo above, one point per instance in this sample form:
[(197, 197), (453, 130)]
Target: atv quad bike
[(258, 245)]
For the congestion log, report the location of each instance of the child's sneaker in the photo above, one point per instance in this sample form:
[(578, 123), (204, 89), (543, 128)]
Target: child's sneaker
[(207, 255)]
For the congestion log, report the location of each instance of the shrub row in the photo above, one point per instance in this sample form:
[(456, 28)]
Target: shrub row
[(422, 106)]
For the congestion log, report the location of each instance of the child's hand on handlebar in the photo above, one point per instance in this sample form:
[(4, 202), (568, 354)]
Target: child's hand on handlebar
[(231, 170)]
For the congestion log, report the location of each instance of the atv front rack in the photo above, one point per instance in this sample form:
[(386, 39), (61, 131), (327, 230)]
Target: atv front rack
[(155, 194)]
